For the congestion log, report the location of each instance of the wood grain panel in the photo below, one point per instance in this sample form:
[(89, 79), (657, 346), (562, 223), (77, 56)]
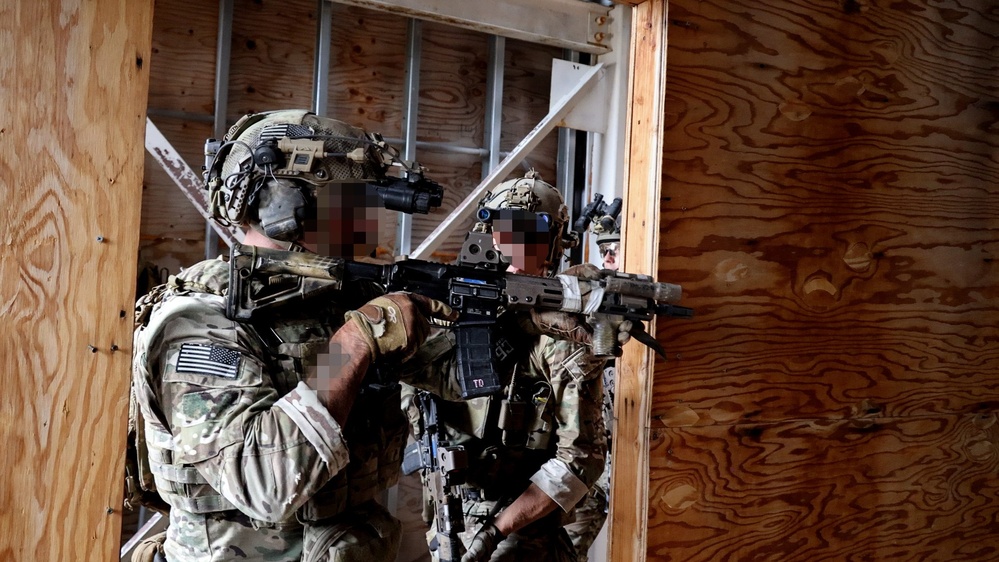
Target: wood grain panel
[(182, 69), (453, 85), (459, 174), (368, 69), (273, 45), (831, 172), (627, 521), (833, 213), (71, 163), (182, 79), (913, 489), (526, 93)]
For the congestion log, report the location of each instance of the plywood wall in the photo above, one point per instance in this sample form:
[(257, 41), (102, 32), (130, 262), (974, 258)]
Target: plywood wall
[(834, 218), (72, 115), (273, 45)]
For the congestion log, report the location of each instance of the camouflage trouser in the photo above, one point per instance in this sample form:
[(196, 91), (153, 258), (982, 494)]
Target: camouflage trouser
[(366, 533), (591, 512), (541, 540)]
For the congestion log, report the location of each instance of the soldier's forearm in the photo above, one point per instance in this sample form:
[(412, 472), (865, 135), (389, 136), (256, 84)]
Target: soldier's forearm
[(530, 506), (337, 378)]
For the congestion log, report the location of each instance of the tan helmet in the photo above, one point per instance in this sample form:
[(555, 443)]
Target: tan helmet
[(607, 229), (267, 169), (533, 194)]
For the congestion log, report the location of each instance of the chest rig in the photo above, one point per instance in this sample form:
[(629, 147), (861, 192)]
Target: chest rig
[(509, 436)]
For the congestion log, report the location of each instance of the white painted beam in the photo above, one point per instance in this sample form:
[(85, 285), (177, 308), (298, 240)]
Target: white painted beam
[(190, 184), (558, 111), (569, 24), (156, 525)]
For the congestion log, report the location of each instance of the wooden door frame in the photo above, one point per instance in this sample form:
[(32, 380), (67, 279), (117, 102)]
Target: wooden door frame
[(628, 520)]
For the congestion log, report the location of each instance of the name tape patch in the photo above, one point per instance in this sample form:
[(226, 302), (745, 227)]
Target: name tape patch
[(210, 360)]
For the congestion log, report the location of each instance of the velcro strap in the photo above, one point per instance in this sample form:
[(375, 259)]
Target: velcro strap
[(179, 474), (158, 455), (209, 503)]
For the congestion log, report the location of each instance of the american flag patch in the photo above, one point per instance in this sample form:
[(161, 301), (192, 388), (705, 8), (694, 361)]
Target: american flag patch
[(208, 360)]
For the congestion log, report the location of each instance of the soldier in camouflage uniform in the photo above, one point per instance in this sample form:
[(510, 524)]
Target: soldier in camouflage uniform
[(591, 513), (528, 472), (270, 439)]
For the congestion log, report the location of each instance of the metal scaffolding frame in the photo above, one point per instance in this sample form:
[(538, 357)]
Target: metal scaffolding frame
[(558, 111), (569, 24), (494, 104), (223, 50), (324, 52), (513, 22), (411, 107)]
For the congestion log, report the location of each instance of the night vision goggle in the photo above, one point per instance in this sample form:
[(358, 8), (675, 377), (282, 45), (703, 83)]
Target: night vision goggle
[(520, 220), (278, 154)]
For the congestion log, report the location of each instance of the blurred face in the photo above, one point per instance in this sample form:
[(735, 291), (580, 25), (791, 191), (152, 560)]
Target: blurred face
[(609, 253), (346, 222), (523, 237)]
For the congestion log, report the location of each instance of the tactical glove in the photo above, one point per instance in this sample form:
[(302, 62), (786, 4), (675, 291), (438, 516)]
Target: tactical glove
[(394, 325), (559, 325), (586, 271), (573, 326), (483, 544)]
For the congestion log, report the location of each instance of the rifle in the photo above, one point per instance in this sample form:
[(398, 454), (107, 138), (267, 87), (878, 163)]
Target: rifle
[(444, 469), (479, 288)]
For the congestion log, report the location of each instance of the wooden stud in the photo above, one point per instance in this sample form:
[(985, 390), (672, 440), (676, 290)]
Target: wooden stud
[(630, 477)]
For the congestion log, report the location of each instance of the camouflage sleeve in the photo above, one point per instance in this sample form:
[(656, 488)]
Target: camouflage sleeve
[(410, 408), (577, 392), (265, 453), (433, 367)]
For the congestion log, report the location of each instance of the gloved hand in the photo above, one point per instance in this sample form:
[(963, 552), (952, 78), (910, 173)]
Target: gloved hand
[(563, 325), (483, 544), (572, 326), (394, 325), (590, 272), (586, 271), (559, 325)]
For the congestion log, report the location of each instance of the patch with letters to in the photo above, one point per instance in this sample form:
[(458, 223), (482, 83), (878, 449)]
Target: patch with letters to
[(210, 360)]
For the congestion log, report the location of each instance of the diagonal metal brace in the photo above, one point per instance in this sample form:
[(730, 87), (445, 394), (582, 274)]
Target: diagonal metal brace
[(554, 119)]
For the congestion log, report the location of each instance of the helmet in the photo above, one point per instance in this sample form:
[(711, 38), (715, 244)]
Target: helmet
[(531, 193), (268, 168), (607, 229)]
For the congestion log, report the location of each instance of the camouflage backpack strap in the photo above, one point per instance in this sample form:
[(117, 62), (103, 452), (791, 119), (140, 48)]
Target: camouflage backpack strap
[(140, 488), (210, 276), (146, 303)]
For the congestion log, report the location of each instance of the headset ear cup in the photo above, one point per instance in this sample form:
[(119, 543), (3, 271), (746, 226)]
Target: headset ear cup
[(281, 208)]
